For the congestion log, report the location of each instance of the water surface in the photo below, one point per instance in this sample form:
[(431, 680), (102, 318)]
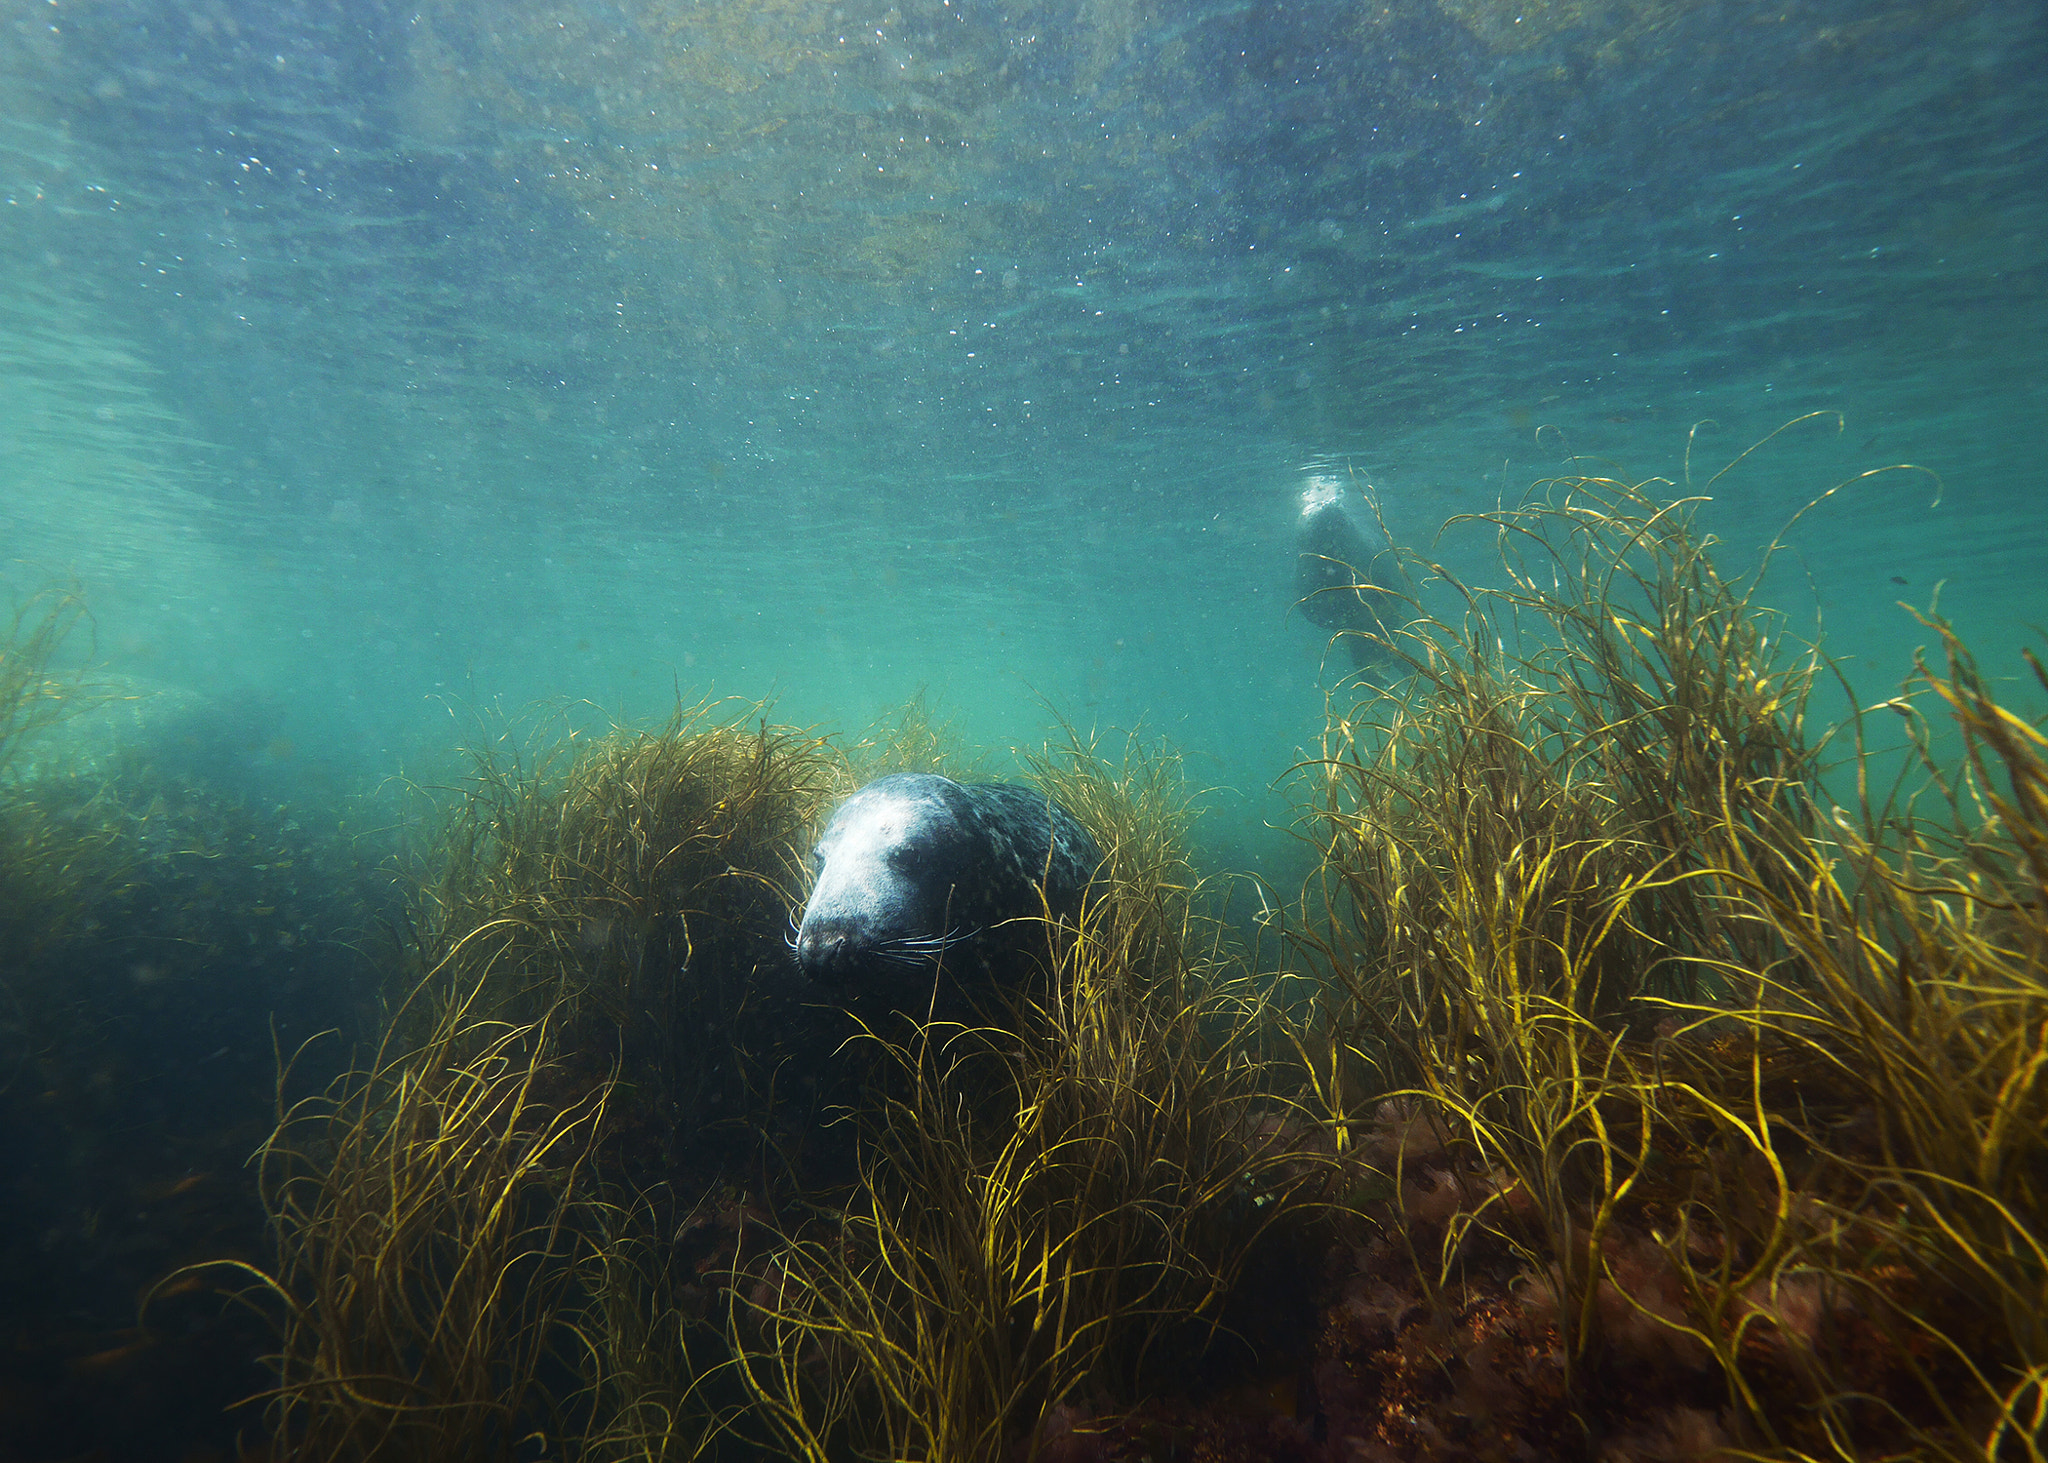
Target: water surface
[(360, 357)]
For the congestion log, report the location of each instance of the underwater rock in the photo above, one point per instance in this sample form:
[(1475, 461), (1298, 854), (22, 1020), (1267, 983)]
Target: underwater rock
[(918, 874)]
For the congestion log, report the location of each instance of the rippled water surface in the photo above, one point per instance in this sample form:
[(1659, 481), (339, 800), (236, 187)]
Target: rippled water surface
[(359, 357)]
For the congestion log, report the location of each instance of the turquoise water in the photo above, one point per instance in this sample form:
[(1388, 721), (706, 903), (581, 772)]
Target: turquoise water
[(361, 357), (370, 366)]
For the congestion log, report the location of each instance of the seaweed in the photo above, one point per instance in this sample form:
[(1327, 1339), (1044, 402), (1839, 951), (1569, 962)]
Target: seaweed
[(1616, 1089), (420, 1208), (153, 932), (636, 885), (1733, 1093), (1056, 1210)]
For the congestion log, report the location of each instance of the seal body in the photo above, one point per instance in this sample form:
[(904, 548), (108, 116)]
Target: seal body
[(919, 875), (1344, 567)]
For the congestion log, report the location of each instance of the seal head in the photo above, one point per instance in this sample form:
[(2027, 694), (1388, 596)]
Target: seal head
[(918, 874), (1345, 570)]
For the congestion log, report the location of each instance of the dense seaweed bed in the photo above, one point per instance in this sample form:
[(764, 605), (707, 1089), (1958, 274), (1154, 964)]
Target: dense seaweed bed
[(1626, 1081)]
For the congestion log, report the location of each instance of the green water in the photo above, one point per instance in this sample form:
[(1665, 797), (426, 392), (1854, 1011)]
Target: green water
[(368, 367), (361, 358)]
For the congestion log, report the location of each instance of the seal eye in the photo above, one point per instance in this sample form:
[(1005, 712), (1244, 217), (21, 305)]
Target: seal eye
[(907, 856)]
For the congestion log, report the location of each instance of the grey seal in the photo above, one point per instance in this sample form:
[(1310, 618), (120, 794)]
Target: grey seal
[(918, 874), (1346, 572)]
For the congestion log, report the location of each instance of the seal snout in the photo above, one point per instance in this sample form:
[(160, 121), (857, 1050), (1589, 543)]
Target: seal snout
[(827, 953)]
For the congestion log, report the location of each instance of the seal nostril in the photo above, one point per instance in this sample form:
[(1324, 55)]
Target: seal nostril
[(823, 952)]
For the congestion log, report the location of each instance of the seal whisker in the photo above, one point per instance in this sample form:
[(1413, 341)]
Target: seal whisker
[(942, 942)]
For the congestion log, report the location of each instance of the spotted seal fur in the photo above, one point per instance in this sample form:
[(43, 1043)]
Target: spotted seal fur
[(917, 874)]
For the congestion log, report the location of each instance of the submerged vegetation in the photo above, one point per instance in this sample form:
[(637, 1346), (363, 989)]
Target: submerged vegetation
[(628, 889), (1614, 1090), (1055, 1210), (603, 1179), (1717, 1110), (155, 930)]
